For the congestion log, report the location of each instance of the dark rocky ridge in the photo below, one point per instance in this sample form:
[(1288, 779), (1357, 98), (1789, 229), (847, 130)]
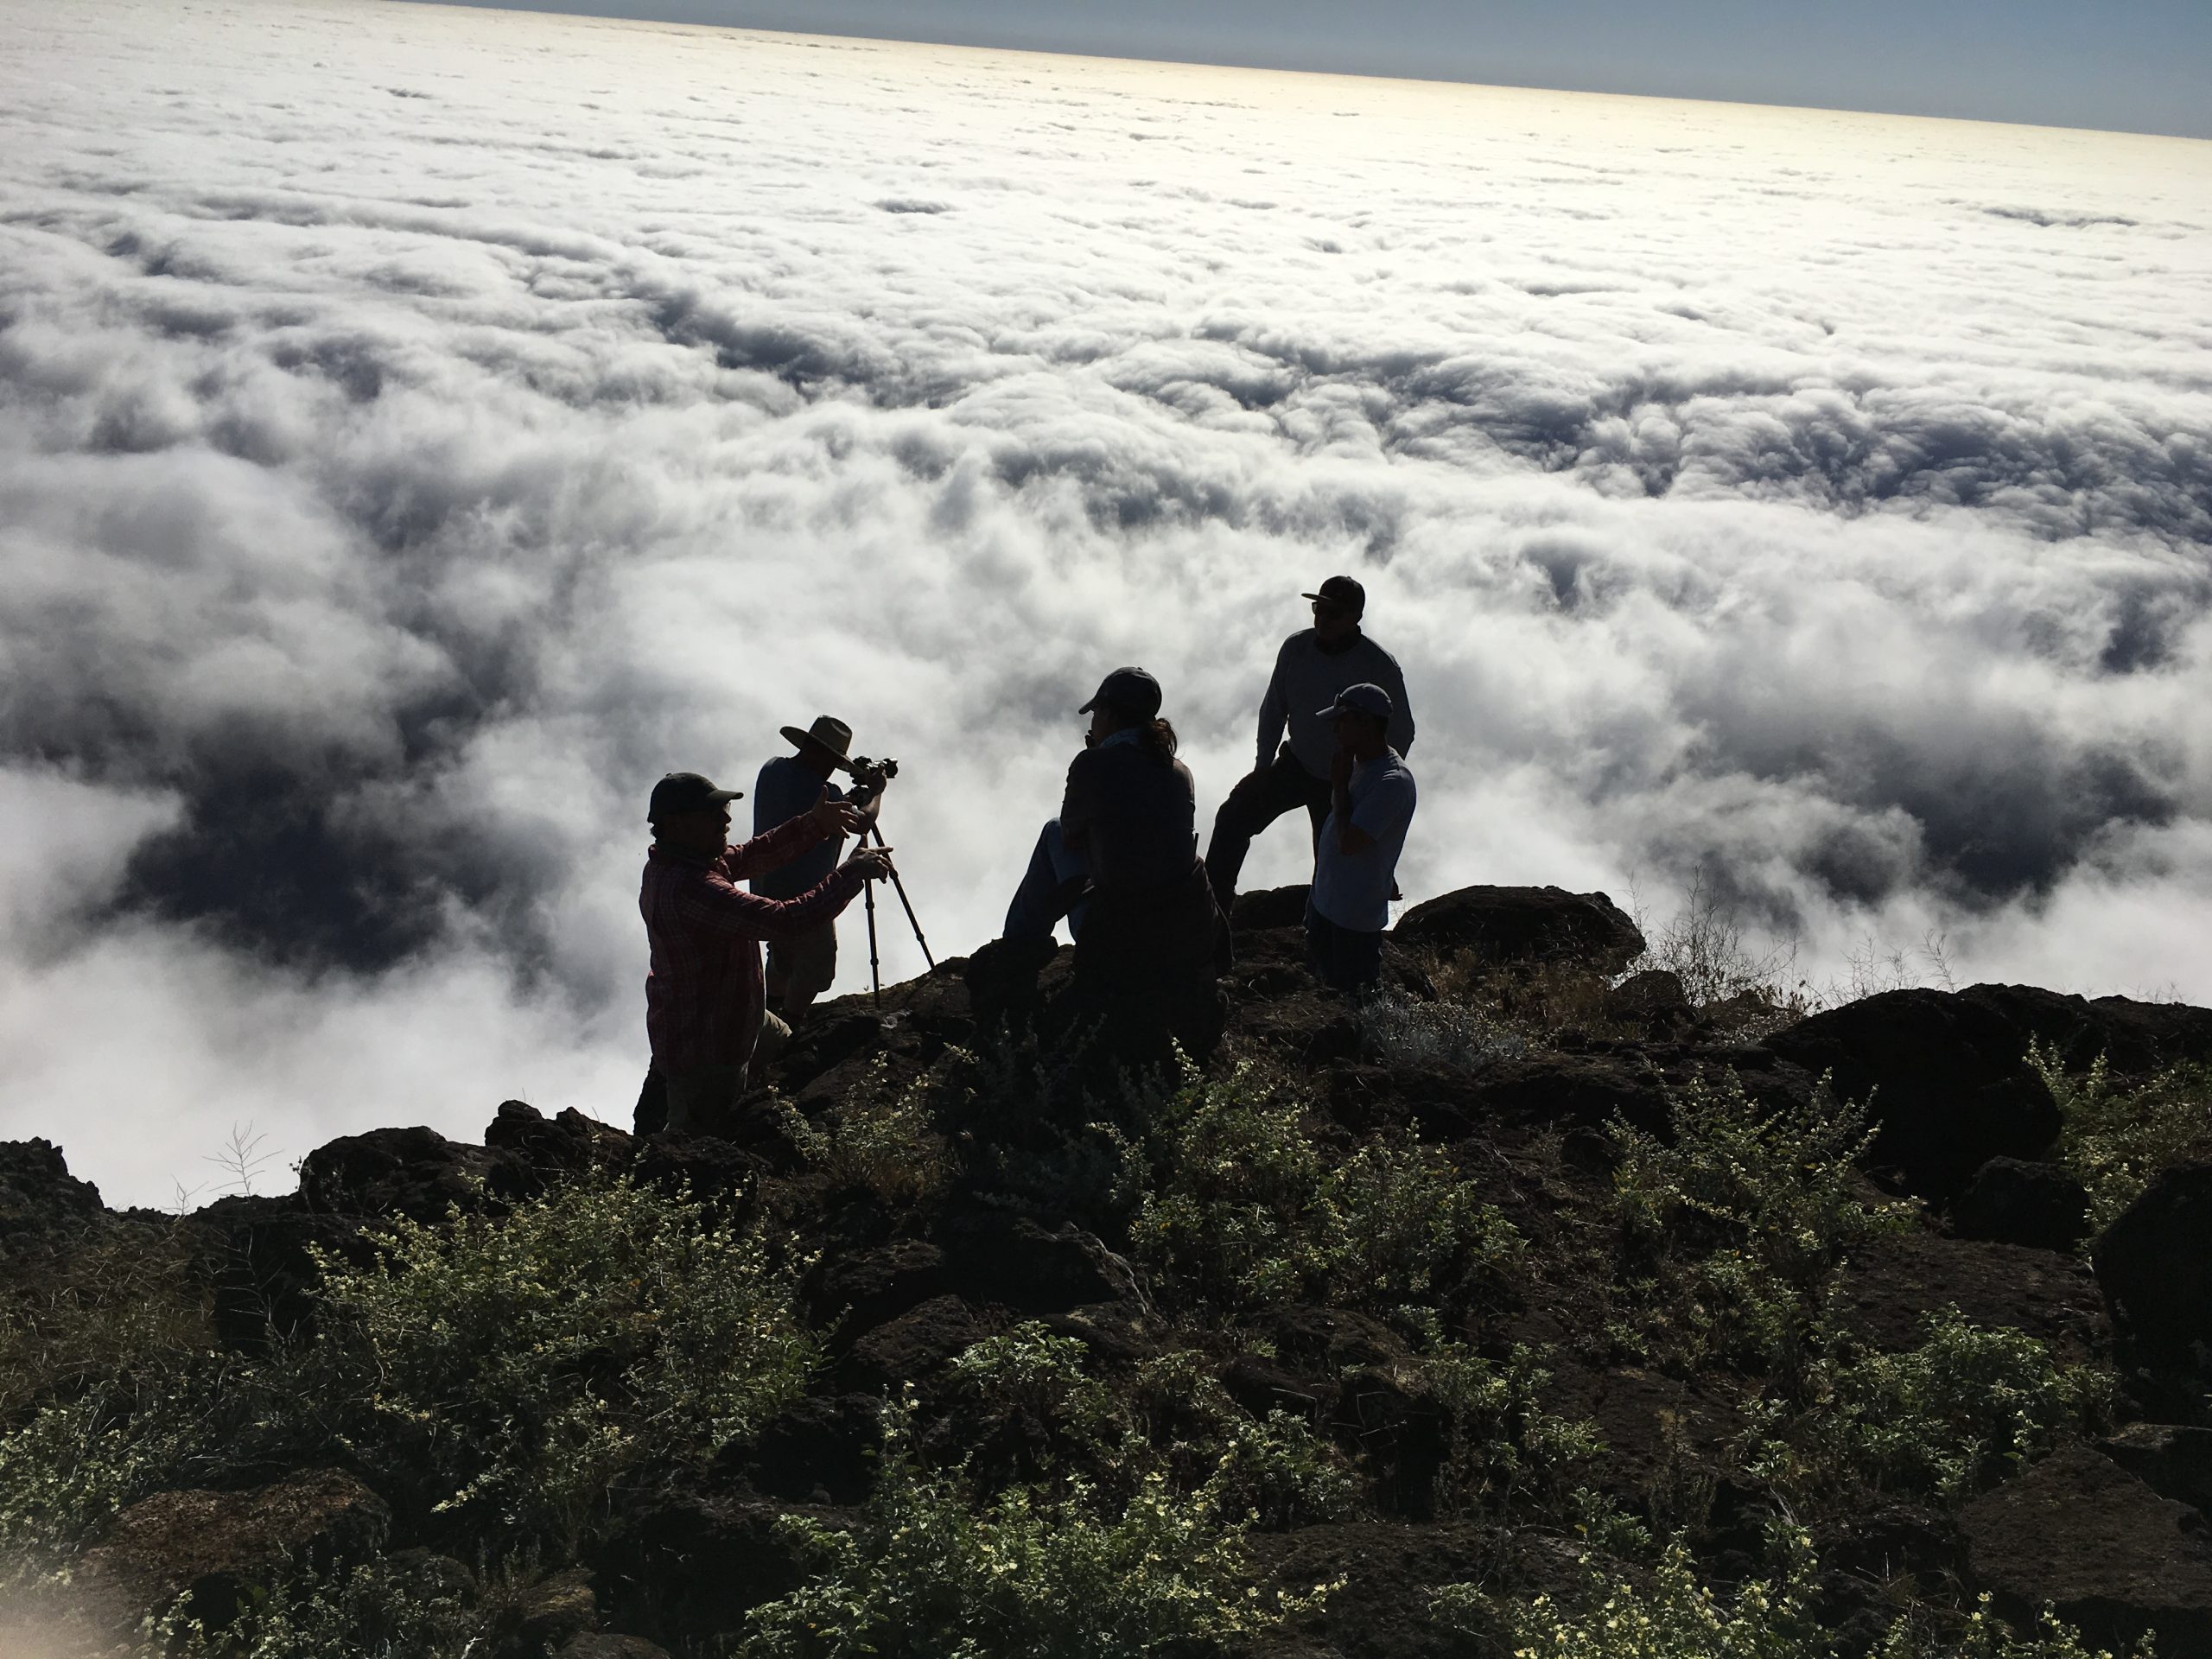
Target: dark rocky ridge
[(1961, 1124)]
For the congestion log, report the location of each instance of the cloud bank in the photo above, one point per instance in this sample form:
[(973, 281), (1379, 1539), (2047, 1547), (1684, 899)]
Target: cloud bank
[(419, 429)]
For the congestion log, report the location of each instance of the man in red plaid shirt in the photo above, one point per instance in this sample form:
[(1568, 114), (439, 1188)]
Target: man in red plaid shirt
[(705, 999)]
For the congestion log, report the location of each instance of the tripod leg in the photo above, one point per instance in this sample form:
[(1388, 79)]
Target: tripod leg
[(874, 972), (912, 921)]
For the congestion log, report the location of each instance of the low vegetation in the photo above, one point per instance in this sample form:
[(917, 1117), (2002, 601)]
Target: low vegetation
[(1357, 1339)]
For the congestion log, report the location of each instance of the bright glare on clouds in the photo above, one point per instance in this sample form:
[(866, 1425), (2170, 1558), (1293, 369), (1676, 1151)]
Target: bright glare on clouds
[(420, 429)]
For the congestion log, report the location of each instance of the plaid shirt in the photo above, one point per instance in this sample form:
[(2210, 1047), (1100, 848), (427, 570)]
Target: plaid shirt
[(703, 992)]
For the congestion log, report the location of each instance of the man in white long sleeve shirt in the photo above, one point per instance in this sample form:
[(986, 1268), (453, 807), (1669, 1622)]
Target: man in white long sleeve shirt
[(1314, 665)]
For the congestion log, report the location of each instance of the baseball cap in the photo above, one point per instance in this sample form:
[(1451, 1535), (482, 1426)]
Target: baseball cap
[(1358, 700), (1129, 690), (1342, 590), (686, 791)]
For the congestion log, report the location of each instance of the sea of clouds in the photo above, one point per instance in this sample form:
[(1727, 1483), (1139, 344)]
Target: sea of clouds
[(420, 429)]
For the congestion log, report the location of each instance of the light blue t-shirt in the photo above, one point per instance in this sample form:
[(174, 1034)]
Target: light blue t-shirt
[(1353, 889)]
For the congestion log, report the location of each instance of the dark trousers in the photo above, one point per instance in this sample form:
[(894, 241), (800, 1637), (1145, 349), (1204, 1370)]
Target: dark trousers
[(1258, 800), (1343, 959)]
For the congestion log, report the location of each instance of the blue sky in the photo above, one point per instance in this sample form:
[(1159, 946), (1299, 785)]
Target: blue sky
[(2134, 66)]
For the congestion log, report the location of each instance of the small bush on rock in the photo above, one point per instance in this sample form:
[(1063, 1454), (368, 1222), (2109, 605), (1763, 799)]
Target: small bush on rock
[(930, 1571), (1966, 1407), (2114, 1138), (877, 1138), (1247, 1209), (521, 1361), (1674, 1614)]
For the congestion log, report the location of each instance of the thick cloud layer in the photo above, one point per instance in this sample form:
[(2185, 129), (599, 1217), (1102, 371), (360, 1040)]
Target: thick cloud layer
[(419, 429)]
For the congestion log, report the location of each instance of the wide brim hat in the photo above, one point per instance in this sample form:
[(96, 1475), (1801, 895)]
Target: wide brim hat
[(832, 736)]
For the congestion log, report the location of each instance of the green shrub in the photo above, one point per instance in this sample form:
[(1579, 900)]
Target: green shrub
[(1740, 1220), (1968, 1406), (931, 1573), (1169, 1418), (73, 1465), (522, 1361), (377, 1610), (1246, 1209), (876, 1138), (1674, 1614), (1503, 1445), (1439, 1034), (2116, 1138)]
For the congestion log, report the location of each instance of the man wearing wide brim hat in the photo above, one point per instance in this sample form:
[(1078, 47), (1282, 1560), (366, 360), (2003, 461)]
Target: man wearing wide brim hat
[(802, 967)]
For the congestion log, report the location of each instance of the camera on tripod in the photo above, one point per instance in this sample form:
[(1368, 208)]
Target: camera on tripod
[(861, 765)]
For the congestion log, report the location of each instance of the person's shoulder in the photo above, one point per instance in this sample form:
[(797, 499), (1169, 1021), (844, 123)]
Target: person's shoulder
[(1376, 650), (1303, 637)]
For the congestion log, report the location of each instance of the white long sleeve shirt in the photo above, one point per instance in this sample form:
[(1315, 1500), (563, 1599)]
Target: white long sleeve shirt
[(1307, 678)]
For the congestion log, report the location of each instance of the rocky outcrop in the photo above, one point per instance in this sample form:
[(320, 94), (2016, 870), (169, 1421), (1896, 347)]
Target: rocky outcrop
[(1516, 926), (2135, 1038), (209, 1550), (2079, 1534), (1943, 1077), (415, 1172), (37, 1192), (2016, 1202), (2154, 1264)]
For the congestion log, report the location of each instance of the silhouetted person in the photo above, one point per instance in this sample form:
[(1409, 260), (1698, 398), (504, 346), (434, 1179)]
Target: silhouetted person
[(1312, 666), (789, 787), (1121, 864), (705, 999), (1371, 798)]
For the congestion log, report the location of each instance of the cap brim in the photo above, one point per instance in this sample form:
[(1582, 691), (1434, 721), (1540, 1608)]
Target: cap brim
[(724, 797), (1331, 712), (1088, 707), (1312, 595)]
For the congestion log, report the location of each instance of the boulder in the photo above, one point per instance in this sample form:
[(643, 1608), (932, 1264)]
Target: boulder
[(2016, 1202), (1253, 912), (603, 1645), (1401, 1425), (863, 1288), (542, 1150), (1016, 1262), (2154, 1265), (1654, 996), (2079, 1534), (684, 1562), (1947, 1087), (2172, 1460), (917, 1343), (718, 1172), (2136, 1038), (1515, 926), (211, 1549), (814, 1451), (415, 1172), (556, 1610), (37, 1191), (260, 1263)]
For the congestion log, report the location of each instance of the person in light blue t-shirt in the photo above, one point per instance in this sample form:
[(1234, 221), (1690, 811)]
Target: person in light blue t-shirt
[(1371, 808)]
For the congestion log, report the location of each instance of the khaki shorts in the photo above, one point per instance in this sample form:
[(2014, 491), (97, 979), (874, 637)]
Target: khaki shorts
[(698, 1101), (805, 965)]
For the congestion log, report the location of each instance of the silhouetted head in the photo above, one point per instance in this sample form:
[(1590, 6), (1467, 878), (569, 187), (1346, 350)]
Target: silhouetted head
[(1338, 606)]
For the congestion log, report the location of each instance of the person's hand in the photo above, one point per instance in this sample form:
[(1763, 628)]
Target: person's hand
[(873, 862), (873, 780), (1340, 769), (837, 818)]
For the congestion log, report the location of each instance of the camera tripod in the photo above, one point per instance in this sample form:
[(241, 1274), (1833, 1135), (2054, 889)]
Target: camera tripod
[(889, 769)]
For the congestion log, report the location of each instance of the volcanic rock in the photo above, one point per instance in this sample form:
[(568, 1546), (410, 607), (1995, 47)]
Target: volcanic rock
[(1524, 926), (2078, 1533), (1943, 1077), (415, 1172), (2154, 1264), (37, 1191), (214, 1547), (2020, 1202)]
